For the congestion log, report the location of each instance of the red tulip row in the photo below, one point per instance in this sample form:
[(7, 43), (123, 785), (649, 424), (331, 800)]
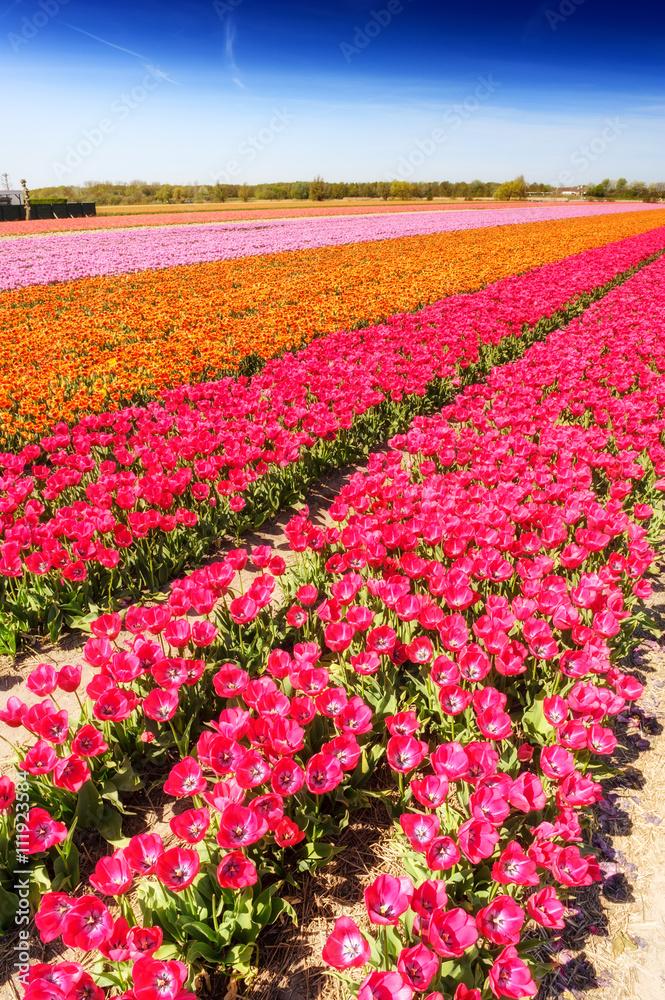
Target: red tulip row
[(463, 621), (123, 500)]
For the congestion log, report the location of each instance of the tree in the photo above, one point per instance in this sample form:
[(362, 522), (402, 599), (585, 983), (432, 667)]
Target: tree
[(400, 189), (637, 190), (164, 193), (244, 192), (383, 190), (515, 190), (317, 189), (271, 192), (5, 181), (300, 190)]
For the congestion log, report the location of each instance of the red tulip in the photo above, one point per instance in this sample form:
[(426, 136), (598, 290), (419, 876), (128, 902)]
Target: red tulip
[(346, 947), (346, 749), (240, 826), (49, 918), (235, 871), (87, 924), (185, 778), (288, 833), (420, 829), (112, 876), (404, 753), (442, 853), (514, 867), (451, 932), (546, 909), (323, 773), (417, 966), (43, 832), (191, 826), (287, 777), (40, 759), (142, 852), (501, 921), (450, 760), (230, 680), (477, 840), (177, 868), (89, 742), (144, 941), (429, 896), (510, 977), (431, 791), (527, 793), (556, 762), (356, 717), (384, 986), (387, 898), (42, 680), (573, 869), (155, 980)]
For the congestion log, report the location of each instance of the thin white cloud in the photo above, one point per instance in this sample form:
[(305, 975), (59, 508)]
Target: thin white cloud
[(156, 71), (104, 42), (230, 41)]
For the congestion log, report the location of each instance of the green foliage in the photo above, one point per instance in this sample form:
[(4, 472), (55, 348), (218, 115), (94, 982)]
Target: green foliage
[(139, 192), (515, 190), (317, 189), (401, 190)]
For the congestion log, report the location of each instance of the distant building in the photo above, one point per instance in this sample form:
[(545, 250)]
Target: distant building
[(11, 197), (572, 192)]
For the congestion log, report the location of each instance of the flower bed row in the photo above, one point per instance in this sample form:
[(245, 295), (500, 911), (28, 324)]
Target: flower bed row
[(90, 345), (43, 260), (462, 621), (124, 500), (156, 216)]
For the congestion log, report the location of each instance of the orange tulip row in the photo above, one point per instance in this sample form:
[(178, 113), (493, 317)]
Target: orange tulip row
[(89, 345)]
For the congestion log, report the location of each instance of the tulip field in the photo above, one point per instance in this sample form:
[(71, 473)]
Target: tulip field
[(450, 644)]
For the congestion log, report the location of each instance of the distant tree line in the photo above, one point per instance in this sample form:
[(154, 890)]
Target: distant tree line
[(141, 193), (622, 190)]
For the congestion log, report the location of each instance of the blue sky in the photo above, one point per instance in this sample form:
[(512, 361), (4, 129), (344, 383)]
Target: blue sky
[(250, 90)]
